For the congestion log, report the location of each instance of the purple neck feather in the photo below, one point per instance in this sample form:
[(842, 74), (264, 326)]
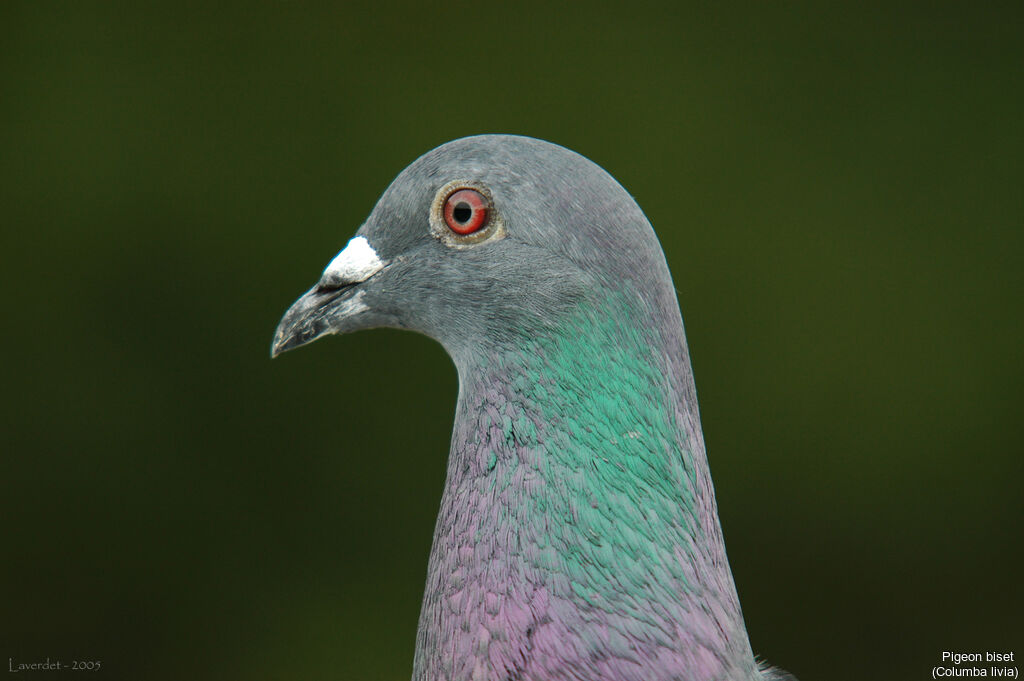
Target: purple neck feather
[(578, 536)]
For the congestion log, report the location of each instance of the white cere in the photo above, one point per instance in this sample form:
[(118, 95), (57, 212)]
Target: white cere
[(357, 262)]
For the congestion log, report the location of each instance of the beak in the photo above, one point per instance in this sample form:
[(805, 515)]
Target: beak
[(326, 307)]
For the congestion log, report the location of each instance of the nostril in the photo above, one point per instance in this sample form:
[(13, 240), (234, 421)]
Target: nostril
[(331, 284)]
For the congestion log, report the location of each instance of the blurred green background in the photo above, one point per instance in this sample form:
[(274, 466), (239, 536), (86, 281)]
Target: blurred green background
[(839, 194)]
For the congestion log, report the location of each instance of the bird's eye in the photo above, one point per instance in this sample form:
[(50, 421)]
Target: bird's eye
[(465, 211)]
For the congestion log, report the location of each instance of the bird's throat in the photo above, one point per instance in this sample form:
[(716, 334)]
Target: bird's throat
[(577, 529)]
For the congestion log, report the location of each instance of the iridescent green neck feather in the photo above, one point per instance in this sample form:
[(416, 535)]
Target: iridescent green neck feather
[(578, 526)]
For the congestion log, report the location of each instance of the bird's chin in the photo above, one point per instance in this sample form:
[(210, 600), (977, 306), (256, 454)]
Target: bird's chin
[(319, 313)]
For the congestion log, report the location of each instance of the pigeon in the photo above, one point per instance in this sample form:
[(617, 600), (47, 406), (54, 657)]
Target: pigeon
[(578, 536)]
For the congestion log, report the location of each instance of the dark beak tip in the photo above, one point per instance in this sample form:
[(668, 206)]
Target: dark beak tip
[(277, 347), (287, 337)]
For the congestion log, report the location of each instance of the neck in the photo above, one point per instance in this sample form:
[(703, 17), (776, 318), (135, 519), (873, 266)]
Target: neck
[(578, 535)]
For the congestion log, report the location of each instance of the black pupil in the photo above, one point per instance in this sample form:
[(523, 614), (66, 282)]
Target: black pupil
[(462, 212)]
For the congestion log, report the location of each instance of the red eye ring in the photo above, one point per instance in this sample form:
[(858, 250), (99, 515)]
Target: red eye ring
[(465, 211)]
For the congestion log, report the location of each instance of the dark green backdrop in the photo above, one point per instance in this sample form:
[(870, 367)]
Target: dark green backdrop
[(839, 194)]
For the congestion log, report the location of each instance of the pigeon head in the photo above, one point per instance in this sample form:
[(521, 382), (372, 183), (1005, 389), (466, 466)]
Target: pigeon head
[(578, 534), (481, 241)]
